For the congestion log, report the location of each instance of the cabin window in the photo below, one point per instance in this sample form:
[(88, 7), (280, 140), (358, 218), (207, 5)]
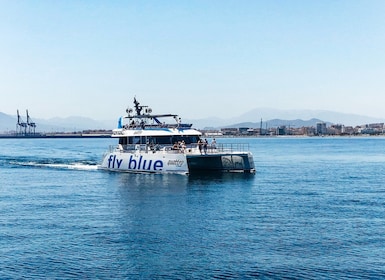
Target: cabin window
[(188, 139), (160, 140), (123, 140), (165, 140), (136, 140), (192, 139), (143, 140)]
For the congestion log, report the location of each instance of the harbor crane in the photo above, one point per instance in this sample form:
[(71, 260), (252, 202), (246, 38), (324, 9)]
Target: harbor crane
[(31, 124), (21, 126)]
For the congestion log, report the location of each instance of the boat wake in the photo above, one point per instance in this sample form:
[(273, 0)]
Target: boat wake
[(50, 163), (73, 166)]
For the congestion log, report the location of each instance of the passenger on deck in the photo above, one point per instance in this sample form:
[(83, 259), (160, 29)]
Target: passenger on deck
[(214, 144), (182, 146), (200, 145), (205, 146), (175, 147)]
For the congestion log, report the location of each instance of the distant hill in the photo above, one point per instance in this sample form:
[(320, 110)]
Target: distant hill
[(278, 122), (69, 124), (295, 118), (327, 116), (273, 118), (7, 122), (76, 123)]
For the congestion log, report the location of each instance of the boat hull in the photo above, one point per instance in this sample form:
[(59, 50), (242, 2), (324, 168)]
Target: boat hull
[(221, 162), (180, 163)]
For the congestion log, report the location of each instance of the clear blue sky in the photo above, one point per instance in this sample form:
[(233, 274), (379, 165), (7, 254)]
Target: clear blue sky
[(193, 58)]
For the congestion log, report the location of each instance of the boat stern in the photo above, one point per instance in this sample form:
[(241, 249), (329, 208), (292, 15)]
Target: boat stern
[(226, 162)]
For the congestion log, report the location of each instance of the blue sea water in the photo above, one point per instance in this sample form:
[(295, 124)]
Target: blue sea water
[(315, 209)]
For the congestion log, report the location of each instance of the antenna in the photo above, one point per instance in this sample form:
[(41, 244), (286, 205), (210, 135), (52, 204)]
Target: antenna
[(138, 108)]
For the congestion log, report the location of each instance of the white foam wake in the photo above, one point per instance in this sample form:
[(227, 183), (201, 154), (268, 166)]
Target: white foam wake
[(72, 166)]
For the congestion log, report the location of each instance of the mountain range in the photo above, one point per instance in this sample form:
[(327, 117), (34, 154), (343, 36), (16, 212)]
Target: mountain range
[(295, 118), (69, 124), (269, 117)]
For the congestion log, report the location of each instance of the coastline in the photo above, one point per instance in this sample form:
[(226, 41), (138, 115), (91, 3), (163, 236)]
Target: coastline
[(86, 135), (54, 136)]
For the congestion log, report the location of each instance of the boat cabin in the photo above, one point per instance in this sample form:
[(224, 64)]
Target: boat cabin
[(158, 140)]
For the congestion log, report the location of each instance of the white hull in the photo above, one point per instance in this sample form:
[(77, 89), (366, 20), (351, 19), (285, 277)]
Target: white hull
[(168, 161)]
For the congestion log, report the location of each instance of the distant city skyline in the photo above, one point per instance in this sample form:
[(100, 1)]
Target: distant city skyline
[(198, 59)]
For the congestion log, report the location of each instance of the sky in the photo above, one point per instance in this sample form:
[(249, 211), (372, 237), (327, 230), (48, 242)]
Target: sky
[(198, 59)]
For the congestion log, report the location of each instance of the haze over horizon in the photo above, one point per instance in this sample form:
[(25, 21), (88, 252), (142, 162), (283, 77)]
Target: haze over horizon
[(272, 117), (198, 59)]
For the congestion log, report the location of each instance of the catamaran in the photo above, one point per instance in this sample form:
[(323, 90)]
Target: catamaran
[(151, 143)]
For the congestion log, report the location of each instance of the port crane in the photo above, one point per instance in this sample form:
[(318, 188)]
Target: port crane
[(21, 126), (31, 124)]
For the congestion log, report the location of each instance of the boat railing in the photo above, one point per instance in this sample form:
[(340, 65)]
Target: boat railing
[(231, 147), (132, 148), (189, 148)]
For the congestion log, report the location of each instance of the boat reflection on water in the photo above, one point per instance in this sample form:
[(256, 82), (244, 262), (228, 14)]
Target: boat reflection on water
[(174, 183), (221, 176), (151, 182)]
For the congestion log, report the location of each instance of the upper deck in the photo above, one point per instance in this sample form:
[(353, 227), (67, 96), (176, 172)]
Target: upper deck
[(123, 132), (140, 121)]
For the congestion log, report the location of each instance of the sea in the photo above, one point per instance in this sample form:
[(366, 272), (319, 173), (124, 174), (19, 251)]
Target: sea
[(314, 209)]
